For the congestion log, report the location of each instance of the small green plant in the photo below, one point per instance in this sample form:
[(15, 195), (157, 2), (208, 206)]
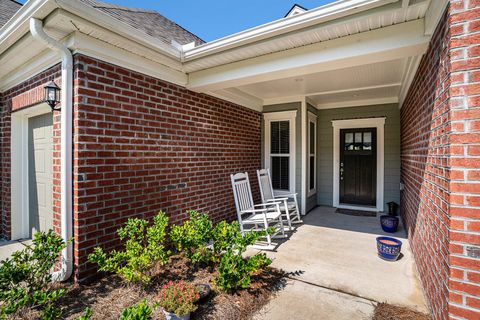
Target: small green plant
[(144, 246), (139, 311), (235, 271), (178, 298), (87, 314), (193, 237), (25, 278)]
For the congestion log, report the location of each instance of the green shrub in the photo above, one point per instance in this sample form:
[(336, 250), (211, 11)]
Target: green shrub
[(144, 246), (193, 237), (25, 277), (235, 271), (139, 311)]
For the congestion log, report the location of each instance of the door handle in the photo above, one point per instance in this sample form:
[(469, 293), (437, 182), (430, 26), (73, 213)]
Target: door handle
[(341, 170)]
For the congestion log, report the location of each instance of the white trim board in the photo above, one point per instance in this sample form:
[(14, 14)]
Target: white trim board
[(281, 116), (378, 123), (19, 169)]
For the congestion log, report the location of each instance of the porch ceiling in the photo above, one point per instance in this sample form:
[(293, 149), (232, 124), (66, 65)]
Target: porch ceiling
[(378, 82)]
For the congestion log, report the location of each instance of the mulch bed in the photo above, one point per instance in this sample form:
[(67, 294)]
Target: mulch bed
[(110, 295), (385, 311)]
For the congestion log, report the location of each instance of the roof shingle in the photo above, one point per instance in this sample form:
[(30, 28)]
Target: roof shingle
[(149, 21)]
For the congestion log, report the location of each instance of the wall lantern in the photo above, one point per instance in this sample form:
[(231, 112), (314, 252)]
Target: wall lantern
[(52, 95)]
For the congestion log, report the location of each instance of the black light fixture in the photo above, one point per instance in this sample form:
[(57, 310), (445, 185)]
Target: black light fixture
[(52, 95)]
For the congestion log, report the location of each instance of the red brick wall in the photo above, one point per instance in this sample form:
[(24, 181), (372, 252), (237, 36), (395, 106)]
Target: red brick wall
[(440, 143), (425, 172), (24, 95), (144, 145), (464, 91)]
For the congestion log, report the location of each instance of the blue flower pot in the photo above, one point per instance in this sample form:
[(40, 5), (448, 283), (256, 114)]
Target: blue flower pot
[(389, 223), (388, 248)]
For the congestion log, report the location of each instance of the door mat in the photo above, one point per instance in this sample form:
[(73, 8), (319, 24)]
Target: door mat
[(357, 213)]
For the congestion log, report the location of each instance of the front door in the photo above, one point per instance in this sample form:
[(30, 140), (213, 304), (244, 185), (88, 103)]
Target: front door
[(358, 166), (40, 173)]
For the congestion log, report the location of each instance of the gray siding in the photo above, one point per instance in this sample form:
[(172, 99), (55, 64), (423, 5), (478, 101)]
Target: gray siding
[(325, 148)]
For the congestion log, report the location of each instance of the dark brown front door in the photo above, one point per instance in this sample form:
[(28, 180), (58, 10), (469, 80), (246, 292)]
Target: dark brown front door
[(358, 166)]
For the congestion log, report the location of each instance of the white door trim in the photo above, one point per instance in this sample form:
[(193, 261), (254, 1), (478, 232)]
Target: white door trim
[(378, 123), (19, 169), (281, 116)]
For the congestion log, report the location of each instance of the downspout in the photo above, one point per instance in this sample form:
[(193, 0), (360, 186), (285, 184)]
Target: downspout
[(36, 28)]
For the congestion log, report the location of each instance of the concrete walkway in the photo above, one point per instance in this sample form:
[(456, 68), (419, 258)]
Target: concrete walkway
[(336, 251), (9, 247)]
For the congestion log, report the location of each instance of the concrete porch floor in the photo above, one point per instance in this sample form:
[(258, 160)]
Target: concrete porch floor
[(338, 252)]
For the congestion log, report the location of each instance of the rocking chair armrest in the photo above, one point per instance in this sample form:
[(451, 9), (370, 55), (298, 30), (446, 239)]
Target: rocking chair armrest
[(270, 204), (278, 199), (254, 210)]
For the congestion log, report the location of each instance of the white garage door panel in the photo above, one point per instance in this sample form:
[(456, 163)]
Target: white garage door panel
[(40, 176)]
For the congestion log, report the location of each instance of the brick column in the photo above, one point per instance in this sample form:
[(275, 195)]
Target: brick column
[(464, 258)]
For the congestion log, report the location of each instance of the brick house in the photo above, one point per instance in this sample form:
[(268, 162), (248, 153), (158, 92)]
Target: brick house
[(154, 118)]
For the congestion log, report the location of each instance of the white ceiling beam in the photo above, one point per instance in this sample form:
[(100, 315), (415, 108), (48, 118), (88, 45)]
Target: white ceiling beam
[(390, 43), (381, 86), (357, 103), (240, 97), (408, 76), (433, 15)]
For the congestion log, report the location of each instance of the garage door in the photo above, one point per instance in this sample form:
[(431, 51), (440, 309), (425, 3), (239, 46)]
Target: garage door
[(40, 142)]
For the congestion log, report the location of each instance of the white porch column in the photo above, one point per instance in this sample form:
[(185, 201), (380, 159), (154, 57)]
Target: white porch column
[(303, 115)]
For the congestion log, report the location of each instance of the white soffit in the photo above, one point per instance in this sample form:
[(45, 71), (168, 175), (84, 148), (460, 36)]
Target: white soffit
[(380, 17)]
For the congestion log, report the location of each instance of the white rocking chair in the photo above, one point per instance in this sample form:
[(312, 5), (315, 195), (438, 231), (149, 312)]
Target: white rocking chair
[(289, 204), (256, 217)]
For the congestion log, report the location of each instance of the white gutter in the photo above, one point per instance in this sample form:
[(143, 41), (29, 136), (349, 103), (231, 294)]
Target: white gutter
[(335, 10), (36, 28)]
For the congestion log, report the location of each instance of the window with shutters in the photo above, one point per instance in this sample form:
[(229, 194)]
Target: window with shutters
[(279, 149)]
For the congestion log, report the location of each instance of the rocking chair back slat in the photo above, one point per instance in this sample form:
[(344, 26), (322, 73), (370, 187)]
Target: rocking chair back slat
[(265, 183), (242, 192)]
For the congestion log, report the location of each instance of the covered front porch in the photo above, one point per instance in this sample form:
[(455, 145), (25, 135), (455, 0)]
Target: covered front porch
[(332, 258)]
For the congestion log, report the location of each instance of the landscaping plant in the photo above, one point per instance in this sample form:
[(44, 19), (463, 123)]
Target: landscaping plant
[(144, 246), (235, 271), (193, 237), (139, 311), (25, 277), (178, 298)]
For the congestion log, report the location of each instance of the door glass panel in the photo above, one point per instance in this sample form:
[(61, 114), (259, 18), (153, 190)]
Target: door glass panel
[(367, 141), (358, 141), (349, 141)]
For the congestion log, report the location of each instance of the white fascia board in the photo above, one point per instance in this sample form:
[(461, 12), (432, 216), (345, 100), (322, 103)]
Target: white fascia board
[(393, 42), (62, 17), (42, 61), (94, 48), (80, 43), (321, 14)]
